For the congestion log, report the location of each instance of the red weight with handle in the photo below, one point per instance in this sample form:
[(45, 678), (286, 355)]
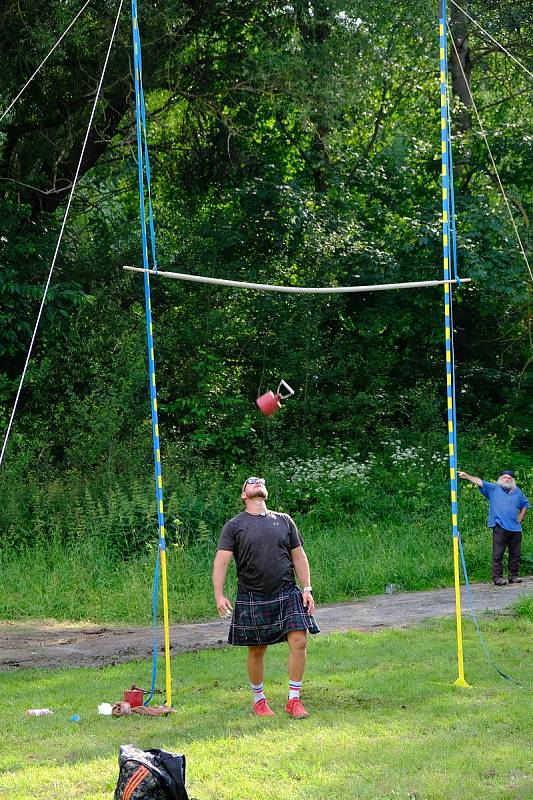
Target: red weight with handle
[(269, 402)]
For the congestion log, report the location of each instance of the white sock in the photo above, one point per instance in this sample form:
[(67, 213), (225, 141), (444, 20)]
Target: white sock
[(294, 689), (257, 689)]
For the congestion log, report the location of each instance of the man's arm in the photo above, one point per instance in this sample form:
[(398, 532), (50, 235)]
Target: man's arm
[(301, 567), (466, 477), (220, 568), (521, 515)]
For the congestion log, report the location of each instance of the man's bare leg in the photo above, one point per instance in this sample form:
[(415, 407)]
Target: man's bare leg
[(297, 641), (256, 663), (256, 672)]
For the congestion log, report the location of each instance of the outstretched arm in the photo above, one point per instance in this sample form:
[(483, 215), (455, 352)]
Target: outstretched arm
[(466, 477), (220, 568)]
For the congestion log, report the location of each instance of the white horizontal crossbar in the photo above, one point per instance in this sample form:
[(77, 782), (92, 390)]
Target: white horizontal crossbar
[(266, 287)]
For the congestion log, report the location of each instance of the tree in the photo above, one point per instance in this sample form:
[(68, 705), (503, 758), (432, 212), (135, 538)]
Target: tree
[(289, 143)]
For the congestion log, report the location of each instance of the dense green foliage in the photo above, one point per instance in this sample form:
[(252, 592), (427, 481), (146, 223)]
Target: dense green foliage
[(290, 143)]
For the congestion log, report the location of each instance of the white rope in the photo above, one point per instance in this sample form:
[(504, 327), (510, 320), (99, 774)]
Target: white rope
[(496, 42), (267, 287), (45, 293), (484, 135), (43, 62)]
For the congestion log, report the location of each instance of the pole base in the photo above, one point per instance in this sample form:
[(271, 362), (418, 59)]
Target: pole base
[(461, 682)]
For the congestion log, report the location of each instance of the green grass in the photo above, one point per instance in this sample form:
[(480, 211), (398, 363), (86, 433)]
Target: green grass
[(386, 722)]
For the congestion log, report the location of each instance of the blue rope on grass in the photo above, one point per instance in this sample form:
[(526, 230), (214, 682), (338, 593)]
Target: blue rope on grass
[(154, 654), (476, 623), (454, 418)]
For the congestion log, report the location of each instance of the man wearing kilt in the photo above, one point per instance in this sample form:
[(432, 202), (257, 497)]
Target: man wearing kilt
[(270, 608)]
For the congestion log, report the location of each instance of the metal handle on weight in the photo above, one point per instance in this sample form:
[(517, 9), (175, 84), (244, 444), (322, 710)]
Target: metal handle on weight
[(288, 389)]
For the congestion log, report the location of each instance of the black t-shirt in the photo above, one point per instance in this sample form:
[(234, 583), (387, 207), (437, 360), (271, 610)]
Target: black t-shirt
[(261, 545)]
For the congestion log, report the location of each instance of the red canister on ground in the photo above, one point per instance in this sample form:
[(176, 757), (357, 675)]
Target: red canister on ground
[(134, 696)]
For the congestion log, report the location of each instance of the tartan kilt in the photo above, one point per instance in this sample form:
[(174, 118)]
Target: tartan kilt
[(261, 619)]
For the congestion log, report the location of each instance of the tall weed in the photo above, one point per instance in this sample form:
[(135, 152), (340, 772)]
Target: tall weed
[(78, 546)]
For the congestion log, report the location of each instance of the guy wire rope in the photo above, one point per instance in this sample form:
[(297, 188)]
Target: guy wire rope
[(495, 168), (140, 124), (63, 224), (43, 62), (491, 37)]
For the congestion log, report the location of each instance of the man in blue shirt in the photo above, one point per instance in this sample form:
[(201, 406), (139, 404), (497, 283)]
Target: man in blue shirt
[(507, 509)]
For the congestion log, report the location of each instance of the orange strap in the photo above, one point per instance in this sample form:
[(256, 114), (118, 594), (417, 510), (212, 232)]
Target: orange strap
[(138, 776)]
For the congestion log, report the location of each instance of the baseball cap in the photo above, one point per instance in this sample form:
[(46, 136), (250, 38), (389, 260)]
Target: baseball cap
[(507, 472)]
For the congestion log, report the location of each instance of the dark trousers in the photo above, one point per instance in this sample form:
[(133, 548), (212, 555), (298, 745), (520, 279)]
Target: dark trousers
[(502, 539)]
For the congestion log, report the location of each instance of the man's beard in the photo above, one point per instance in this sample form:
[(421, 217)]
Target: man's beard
[(258, 491), (507, 484)]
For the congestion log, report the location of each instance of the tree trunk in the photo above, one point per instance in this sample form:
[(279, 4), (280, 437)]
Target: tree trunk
[(315, 30), (460, 63)]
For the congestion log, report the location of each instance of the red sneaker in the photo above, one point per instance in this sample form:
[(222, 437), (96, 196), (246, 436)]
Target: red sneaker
[(295, 708), (262, 709)]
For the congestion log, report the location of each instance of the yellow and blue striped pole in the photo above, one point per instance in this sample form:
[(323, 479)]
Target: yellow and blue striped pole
[(151, 359), (448, 298)]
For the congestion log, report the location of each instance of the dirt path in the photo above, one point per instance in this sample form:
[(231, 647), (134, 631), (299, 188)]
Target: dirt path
[(48, 644)]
